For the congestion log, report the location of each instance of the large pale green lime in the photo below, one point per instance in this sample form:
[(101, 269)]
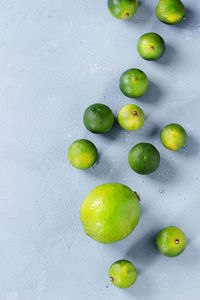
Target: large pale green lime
[(110, 212)]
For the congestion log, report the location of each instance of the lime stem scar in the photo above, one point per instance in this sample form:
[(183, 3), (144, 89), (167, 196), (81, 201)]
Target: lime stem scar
[(134, 113), (126, 15), (112, 278), (137, 195), (177, 241)]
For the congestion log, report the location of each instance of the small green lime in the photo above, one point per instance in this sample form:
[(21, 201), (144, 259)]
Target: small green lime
[(151, 46), (144, 158), (110, 212), (133, 83), (82, 154), (122, 9), (131, 117), (171, 241), (170, 11), (122, 274), (98, 118), (173, 136)]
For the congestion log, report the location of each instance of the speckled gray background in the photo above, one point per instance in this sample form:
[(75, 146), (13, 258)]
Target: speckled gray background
[(56, 58)]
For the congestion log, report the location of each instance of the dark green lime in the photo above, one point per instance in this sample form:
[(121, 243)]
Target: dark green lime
[(144, 158), (98, 118)]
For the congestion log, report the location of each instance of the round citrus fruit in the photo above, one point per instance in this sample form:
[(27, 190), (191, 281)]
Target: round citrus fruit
[(144, 158), (171, 241), (122, 274), (122, 9), (170, 11), (131, 117), (110, 212), (98, 118), (151, 46), (82, 154), (133, 83), (173, 136)]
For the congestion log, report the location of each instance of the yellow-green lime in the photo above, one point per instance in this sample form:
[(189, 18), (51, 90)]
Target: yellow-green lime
[(173, 136), (133, 83), (110, 212), (82, 154), (170, 11), (122, 274), (151, 46), (144, 158), (171, 241), (131, 117)]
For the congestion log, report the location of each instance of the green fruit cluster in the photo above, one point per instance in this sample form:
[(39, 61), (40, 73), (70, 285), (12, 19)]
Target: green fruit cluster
[(111, 211)]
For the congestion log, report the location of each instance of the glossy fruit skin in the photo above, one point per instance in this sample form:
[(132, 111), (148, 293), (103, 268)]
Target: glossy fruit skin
[(122, 274), (133, 83), (151, 46), (110, 212), (82, 154), (122, 9), (170, 11), (144, 158), (171, 241), (131, 117), (173, 137), (98, 118)]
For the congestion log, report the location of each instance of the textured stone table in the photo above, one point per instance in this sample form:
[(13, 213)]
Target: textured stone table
[(56, 58)]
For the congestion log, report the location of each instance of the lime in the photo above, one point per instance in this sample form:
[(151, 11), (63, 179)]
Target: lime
[(151, 46), (133, 83), (98, 118), (122, 9), (82, 154), (131, 117), (144, 158), (110, 212), (170, 11), (122, 274), (171, 241), (173, 136)]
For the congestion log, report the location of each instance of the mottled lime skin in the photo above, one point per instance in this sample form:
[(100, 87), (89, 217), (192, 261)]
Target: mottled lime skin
[(133, 83), (122, 9), (122, 274), (110, 212), (171, 241), (144, 158), (173, 136), (82, 154), (131, 117), (151, 46), (170, 11), (98, 118)]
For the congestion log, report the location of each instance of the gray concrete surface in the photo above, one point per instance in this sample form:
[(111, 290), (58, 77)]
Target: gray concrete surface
[(56, 58)]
